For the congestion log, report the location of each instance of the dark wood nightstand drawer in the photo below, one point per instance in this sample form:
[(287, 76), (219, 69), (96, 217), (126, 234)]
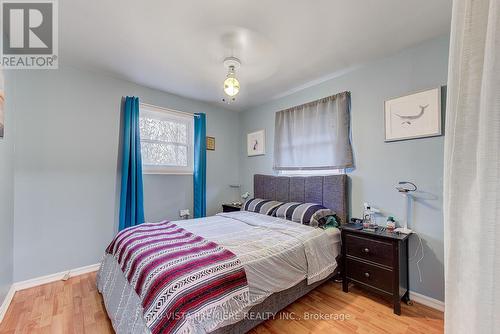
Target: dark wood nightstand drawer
[(372, 275), (369, 249)]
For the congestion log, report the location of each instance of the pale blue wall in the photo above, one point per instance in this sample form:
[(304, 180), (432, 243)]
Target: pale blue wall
[(6, 197), (379, 165), (66, 166)]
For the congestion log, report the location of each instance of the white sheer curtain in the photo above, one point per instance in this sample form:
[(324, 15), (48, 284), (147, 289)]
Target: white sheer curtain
[(314, 136), (472, 170)]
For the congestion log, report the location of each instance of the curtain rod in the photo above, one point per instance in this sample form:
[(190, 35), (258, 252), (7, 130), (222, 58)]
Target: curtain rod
[(167, 109)]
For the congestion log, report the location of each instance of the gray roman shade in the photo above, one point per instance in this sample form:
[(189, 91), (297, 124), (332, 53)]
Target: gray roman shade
[(314, 135)]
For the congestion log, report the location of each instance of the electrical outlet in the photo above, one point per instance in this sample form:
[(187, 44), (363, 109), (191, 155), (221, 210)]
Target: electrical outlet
[(184, 213)]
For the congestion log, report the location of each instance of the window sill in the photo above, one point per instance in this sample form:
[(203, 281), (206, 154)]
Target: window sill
[(313, 172), (157, 172)]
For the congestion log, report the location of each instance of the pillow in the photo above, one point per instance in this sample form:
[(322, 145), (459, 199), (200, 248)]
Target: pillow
[(286, 210), (263, 206), (304, 213)]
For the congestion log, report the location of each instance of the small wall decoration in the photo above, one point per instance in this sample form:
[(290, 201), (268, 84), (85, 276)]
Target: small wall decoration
[(256, 143), (413, 116), (211, 143)]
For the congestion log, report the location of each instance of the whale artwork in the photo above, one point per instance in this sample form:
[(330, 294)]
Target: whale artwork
[(413, 116)]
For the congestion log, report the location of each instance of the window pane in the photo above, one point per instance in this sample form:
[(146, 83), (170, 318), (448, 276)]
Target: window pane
[(163, 130), (182, 158), (182, 133), (160, 154)]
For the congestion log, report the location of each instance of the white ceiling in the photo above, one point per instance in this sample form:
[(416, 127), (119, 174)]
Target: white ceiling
[(178, 46)]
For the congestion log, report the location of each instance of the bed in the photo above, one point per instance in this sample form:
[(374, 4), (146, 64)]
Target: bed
[(282, 260)]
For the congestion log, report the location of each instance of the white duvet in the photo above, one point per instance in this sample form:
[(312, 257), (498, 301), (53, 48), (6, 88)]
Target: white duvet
[(276, 253)]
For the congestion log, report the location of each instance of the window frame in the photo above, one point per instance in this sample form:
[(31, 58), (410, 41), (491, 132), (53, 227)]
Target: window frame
[(156, 112)]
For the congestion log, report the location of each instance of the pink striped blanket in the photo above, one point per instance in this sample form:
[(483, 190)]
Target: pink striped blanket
[(181, 279)]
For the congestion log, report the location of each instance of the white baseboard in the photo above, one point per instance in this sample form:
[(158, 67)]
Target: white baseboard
[(427, 301), (6, 302), (17, 286), (55, 277)]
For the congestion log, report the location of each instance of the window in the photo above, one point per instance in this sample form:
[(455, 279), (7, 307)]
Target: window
[(166, 141), (314, 136)]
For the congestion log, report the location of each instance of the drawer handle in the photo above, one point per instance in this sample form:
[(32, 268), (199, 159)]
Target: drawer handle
[(366, 250), (367, 275)]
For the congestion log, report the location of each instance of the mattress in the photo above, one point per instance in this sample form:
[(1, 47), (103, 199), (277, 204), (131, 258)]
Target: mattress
[(276, 254)]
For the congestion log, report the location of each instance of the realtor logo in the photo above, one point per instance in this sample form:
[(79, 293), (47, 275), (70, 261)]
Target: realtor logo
[(29, 34)]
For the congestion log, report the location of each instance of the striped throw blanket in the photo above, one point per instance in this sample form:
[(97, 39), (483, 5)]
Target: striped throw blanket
[(181, 279)]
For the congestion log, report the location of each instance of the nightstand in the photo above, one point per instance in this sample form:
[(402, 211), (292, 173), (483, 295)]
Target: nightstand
[(228, 207), (377, 261)]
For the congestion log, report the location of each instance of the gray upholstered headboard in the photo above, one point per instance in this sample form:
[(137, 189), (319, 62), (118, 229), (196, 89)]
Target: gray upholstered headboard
[(329, 191)]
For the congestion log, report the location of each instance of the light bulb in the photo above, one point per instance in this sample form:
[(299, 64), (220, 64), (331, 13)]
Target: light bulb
[(231, 86)]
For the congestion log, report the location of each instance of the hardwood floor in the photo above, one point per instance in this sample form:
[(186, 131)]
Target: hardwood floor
[(75, 306)]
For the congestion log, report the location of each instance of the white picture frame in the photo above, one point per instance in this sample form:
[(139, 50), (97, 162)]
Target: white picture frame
[(417, 115), (256, 143)]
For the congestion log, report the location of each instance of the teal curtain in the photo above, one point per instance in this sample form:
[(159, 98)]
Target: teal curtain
[(131, 196), (200, 166)]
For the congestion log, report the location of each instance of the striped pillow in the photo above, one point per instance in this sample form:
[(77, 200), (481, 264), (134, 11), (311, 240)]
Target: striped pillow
[(263, 206), (304, 213), (286, 210)]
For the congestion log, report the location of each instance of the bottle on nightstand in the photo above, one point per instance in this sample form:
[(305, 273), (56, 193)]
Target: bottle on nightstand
[(369, 221)]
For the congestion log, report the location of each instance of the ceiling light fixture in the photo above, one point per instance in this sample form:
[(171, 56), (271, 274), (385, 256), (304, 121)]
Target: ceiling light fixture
[(231, 84)]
